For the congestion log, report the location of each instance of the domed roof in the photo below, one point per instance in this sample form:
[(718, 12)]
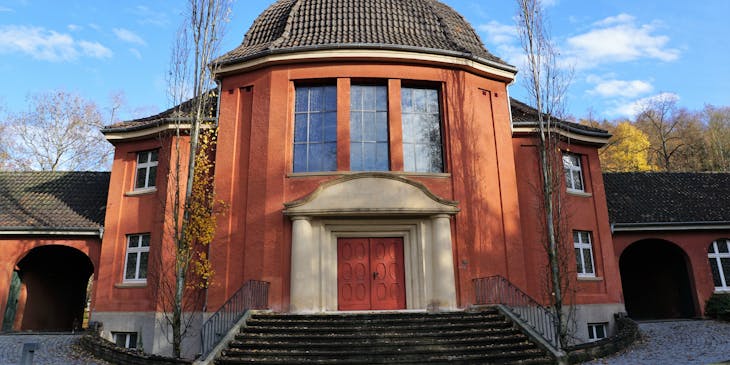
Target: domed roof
[(426, 26)]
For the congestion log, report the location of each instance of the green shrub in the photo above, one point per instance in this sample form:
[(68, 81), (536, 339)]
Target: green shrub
[(718, 306)]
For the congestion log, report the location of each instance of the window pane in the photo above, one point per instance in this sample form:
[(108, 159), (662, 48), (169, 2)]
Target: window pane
[(725, 262), (330, 98), (715, 273), (316, 133), (585, 237), (356, 157), (145, 240), (329, 163), (132, 241), (569, 180), (141, 178), (722, 246), (300, 128), (142, 157), (153, 155), (143, 265), (577, 180), (381, 158), (330, 127), (120, 339), (381, 98), (588, 257), (133, 340), (151, 180), (356, 133), (316, 156), (131, 266), (600, 331), (409, 157), (316, 99), (300, 158), (301, 99), (578, 260), (381, 126)]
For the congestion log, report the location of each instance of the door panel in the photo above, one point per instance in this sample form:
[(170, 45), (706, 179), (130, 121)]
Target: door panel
[(370, 274)]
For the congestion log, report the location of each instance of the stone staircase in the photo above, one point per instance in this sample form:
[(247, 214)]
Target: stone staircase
[(484, 337)]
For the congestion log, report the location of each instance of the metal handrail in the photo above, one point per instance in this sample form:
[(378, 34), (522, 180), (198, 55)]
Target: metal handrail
[(498, 290), (253, 294)]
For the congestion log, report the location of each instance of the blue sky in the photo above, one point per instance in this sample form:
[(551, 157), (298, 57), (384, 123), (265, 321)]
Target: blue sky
[(622, 51)]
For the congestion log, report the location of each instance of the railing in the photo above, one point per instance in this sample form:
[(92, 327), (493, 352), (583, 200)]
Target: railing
[(252, 295), (498, 290)]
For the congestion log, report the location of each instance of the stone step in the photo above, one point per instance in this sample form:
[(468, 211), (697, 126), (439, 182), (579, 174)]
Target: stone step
[(533, 357), (383, 338), (339, 320), (375, 328), (357, 343), (383, 351)]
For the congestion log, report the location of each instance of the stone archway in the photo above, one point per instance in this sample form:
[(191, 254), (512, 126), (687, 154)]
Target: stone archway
[(655, 276), (55, 280)]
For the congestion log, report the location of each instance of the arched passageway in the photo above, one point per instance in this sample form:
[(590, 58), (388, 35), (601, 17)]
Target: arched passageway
[(55, 279), (656, 281)]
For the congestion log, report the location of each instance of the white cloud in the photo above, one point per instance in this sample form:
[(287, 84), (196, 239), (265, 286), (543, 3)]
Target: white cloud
[(613, 88), (95, 49), (498, 33), (74, 27), (4, 9), (47, 45), (549, 3), (631, 109), (618, 39), (145, 15), (129, 36)]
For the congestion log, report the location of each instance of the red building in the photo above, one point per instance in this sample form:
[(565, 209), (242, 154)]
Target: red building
[(367, 161), (351, 148)]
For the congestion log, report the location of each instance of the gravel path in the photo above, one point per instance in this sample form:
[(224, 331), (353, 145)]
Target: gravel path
[(676, 343), (54, 349)]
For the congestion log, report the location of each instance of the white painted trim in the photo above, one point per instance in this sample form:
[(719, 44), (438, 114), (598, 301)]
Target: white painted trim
[(618, 227), (141, 191), (339, 55), (145, 132), (564, 133)]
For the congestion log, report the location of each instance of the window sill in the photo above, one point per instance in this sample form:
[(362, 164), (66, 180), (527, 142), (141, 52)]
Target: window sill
[(344, 173), (131, 285), (143, 191), (590, 278), (580, 193), (722, 290)]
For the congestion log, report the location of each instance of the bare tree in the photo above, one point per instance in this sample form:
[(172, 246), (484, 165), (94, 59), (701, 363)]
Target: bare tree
[(60, 131), (717, 136), (546, 84), (190, 221), (673, 133)]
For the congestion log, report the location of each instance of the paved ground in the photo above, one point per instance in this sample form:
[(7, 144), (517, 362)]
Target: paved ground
[(663, 343), (55, 349), (676, 343)]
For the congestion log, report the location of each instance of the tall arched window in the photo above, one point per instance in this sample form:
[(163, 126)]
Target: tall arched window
[(719, 255)]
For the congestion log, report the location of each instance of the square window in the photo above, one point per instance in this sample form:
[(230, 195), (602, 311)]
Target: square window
[(125, 339), (597, 331), (137, 257), (146, 169), (573, 172), (583, 254)]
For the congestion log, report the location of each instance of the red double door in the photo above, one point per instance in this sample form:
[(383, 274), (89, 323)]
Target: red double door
[(370, 274)]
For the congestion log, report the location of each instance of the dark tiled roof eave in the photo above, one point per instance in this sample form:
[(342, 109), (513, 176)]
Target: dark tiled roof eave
[(668, 198), (524, 115), (45, 201)]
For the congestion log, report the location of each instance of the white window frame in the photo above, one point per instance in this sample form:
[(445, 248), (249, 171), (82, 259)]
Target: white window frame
[(572, 169), (137, 250), (145, 168), (593, 333), (581, 247), (127, 339), (715, 257)]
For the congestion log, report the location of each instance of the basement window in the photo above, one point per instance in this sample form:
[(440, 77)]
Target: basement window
[(125, 339), (597, 331)]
